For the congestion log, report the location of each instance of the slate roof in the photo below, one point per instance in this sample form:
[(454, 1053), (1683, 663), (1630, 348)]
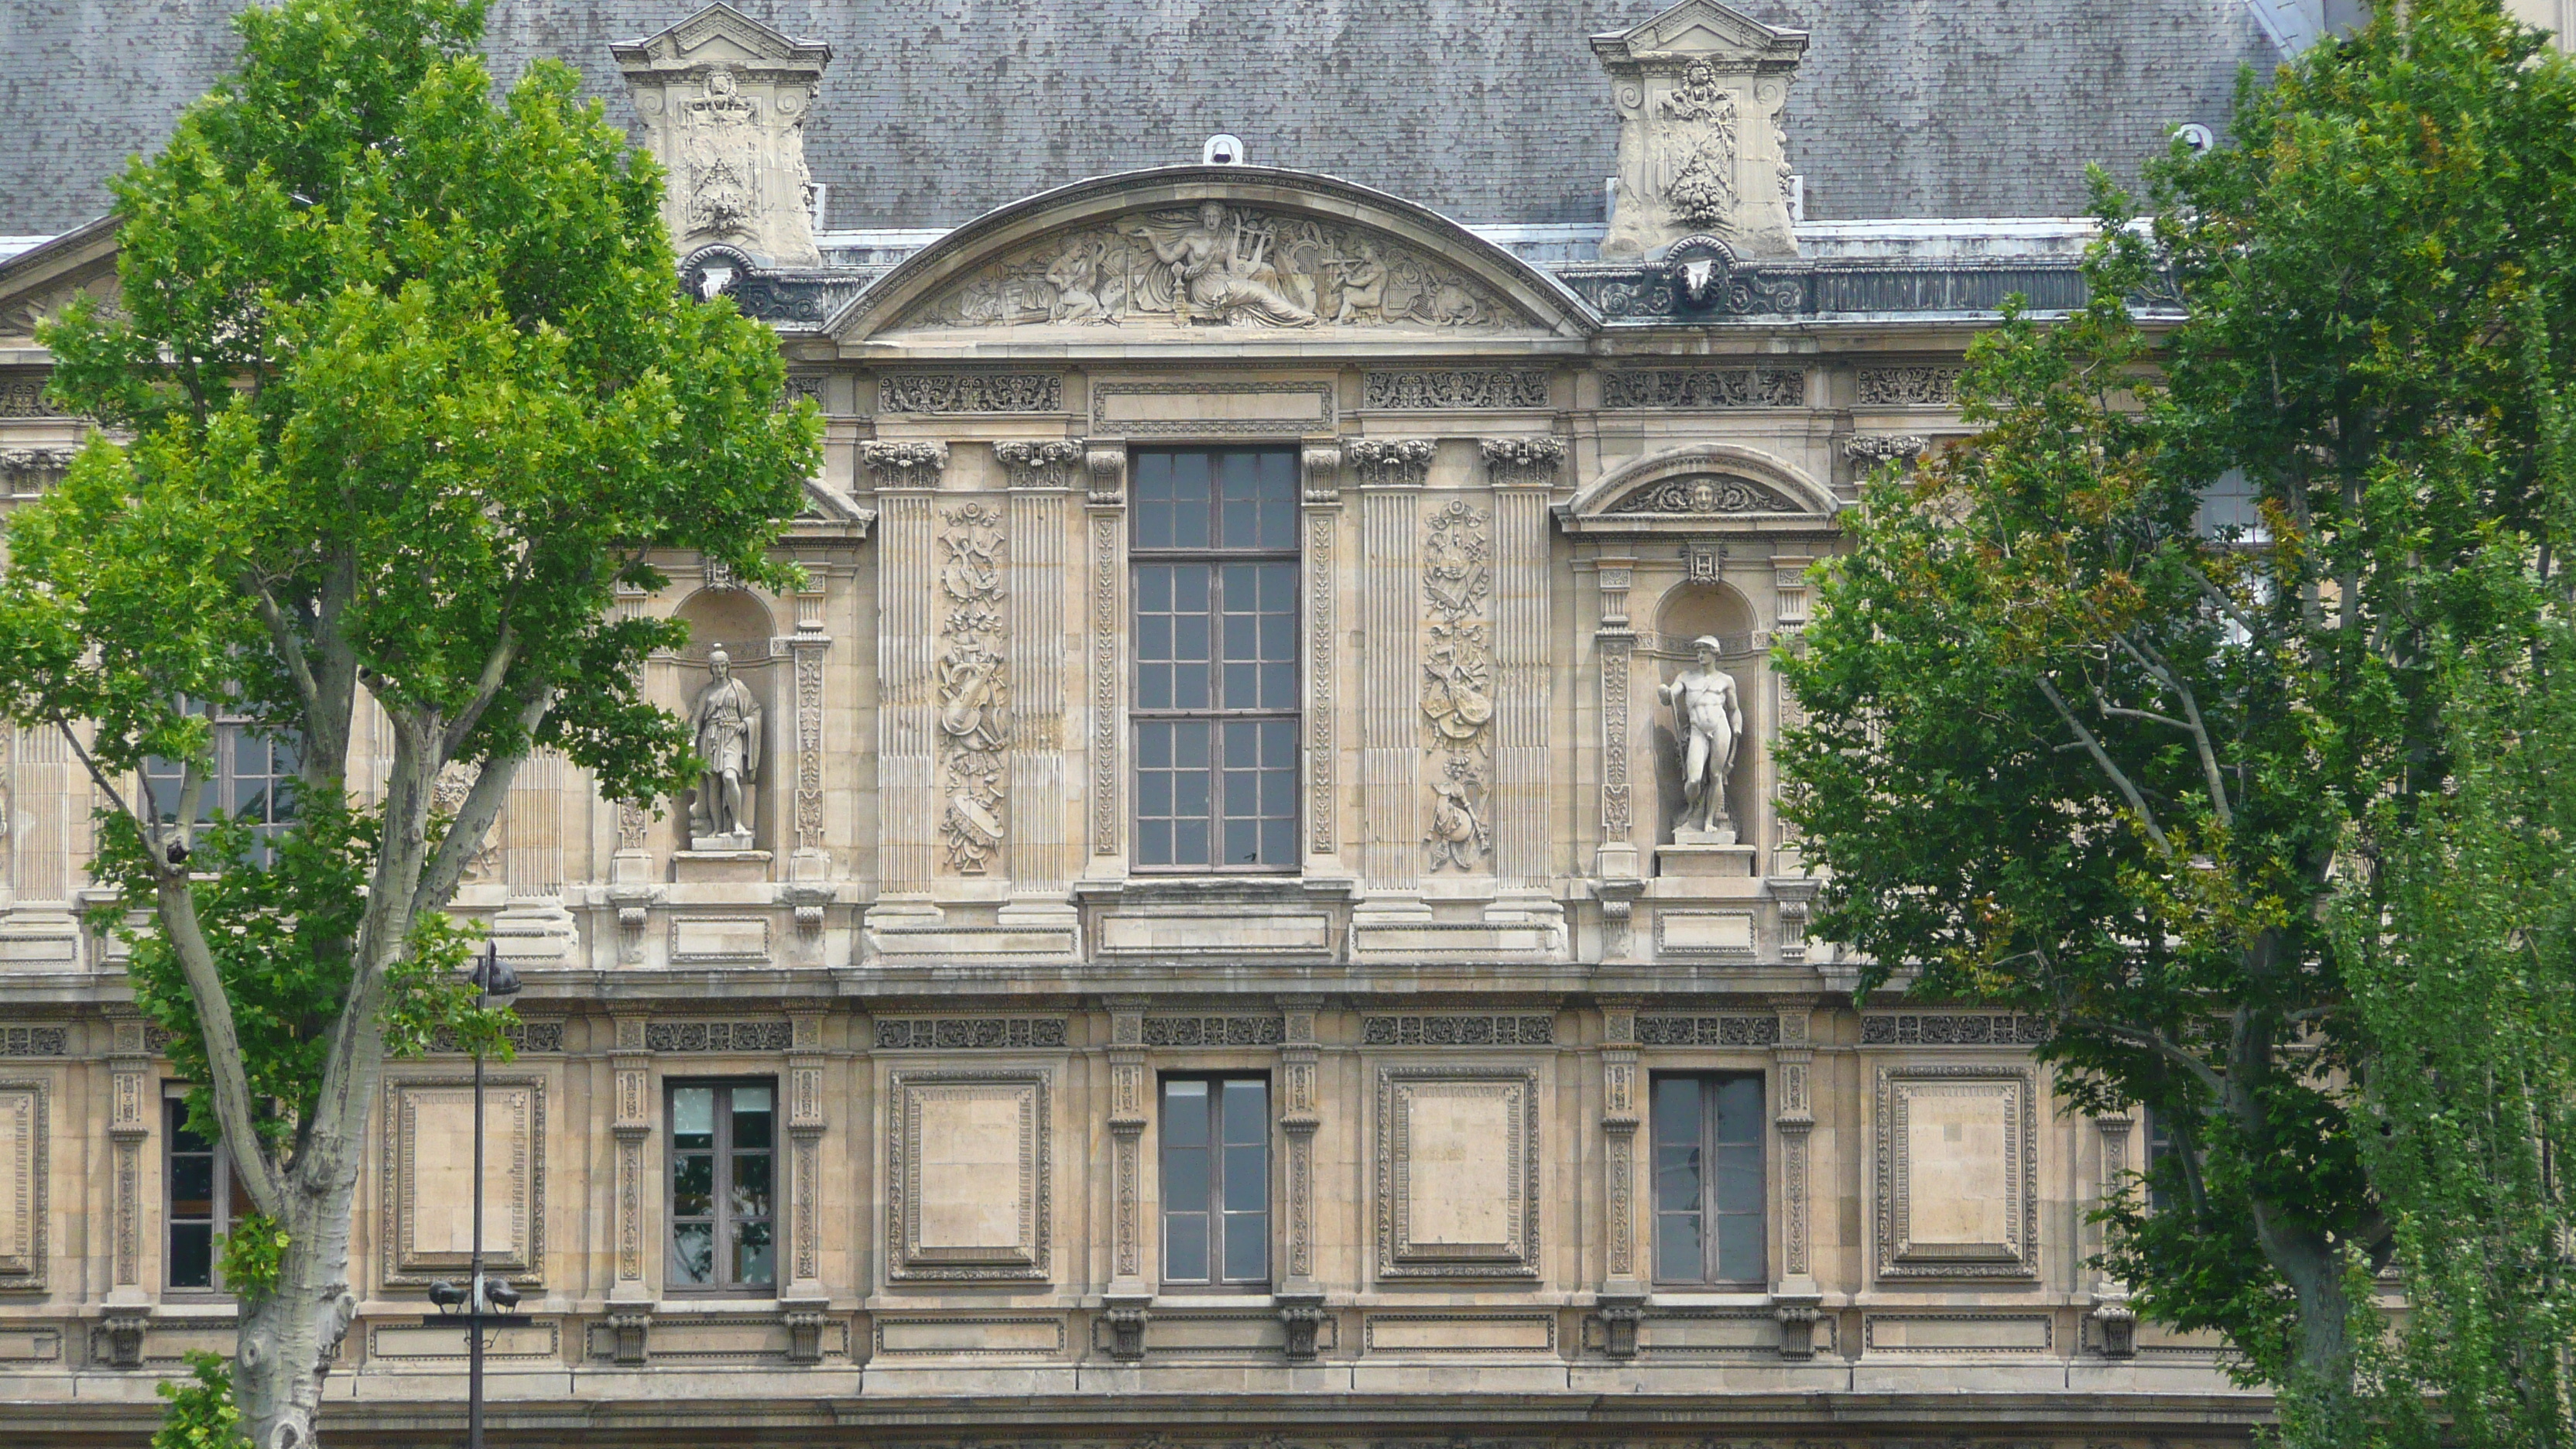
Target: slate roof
[(1490, 111)]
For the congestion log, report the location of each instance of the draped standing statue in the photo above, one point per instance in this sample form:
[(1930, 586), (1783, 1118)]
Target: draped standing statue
[(725, 723)]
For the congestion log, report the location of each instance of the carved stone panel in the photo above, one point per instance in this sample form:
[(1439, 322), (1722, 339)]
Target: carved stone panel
[(1698, 91), (1217, 264), (1957, 1168), (970, 392), (429, 1177), (724, 99), (974, 687), (966, 1175), (1457, 1172), (22, 1184)]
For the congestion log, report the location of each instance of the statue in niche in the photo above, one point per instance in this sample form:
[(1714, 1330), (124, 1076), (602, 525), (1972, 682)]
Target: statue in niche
[(1225, 274), (725, 723), (1709, 722)]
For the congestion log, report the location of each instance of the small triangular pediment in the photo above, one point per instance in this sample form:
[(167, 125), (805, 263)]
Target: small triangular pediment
[(1704, 29), (35, 286), (721, 34)]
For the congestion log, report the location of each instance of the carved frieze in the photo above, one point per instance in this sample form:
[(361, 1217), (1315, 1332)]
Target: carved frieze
[(1908, 386), (33, 1041), (24, 397), (1465, 1029), (1705, 387), (1733, 1031), (970, 392), (964, 1033), (1454, 388), (974, 687), (1705, 494), (1190, 1031), (1217, 264), (1937, 1028), (526, 1037), (717, 1036)]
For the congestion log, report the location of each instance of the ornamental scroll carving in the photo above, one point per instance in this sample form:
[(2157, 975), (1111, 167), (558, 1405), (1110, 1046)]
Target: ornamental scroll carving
[(1705, 493), (1476, 388), (1705, 387), (1908, 386), (1458, 682), (1217, 264), (974, 688), (970, 392)]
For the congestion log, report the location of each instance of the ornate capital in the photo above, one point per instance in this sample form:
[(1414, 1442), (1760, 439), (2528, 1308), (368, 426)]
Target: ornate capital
[(1045, 463), (905, 465), (1391, 462), (1524, 462)]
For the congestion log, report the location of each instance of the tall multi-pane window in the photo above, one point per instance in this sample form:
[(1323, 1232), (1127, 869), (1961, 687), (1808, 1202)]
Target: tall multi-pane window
[(723, 1202), (253, 780), (204, 1200), (1215, 557), (2160, 1146), (1216, 1180), (1708, 1180)]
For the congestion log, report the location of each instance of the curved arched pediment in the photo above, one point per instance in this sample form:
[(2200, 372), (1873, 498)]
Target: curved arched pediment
[(1184, 252), (1694, 487)]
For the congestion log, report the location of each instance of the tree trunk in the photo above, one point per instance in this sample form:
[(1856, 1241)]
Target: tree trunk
[(289, 1338)]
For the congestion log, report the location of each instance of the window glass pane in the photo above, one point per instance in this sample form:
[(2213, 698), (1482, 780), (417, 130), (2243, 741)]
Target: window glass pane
[(693, 1252), (1153, 500), (1677, 1247), (192, 1185), (1239, 485), (751, 1118), (1185, 1247), (1247, 1112), (1739, 1179), (1247, 1247), (1677, 1184), (693, 1117), (751, 1255), (1677, 1110), (1739, 1109), (1185, 1178), (750, 1186), (192, 1255), (693, 1184), (1190, 840), (1247, 1179), (1278, 501), (1739, 1249)]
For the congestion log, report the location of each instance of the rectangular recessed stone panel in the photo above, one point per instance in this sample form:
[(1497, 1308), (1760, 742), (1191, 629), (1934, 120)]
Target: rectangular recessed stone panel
[(1169, 1333), (719, 938), (971, 1335), (1717, 933), (1710, 1333), (967, 1161), (1457, 1169), (429, 1177), (1211, 409), (536, 1340), (1958, 1333), (22, 1184), (1154, 934), (1956, 1172), (37, 1345), (1426, 1333)]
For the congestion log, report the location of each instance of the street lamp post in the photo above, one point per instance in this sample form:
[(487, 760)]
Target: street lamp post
[(492, 981)]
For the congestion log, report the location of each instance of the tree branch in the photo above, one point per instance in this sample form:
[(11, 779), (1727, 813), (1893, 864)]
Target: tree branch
[(2102, 760), (290, 650), (177, 902), (2154, 662), (474, 818), (495, 670)]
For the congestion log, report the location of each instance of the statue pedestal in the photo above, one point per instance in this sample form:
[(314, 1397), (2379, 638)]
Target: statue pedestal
[(719, 867), (1723, 834), (1694, 858)]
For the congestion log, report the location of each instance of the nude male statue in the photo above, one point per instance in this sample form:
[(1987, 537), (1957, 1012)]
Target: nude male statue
[(1709, 722), (725, 723)]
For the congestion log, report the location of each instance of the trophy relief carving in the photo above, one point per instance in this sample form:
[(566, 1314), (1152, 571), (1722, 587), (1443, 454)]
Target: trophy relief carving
[(1458, 683), (974, 691)]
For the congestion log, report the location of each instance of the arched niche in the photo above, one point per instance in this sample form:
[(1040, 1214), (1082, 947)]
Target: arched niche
[(736, 621), (1686, 613)]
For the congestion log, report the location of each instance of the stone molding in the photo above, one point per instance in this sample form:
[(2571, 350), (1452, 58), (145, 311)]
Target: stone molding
[(2015, 1091), (1026, 1257), (25, 1173), (1516, 1253), (522, 1199)]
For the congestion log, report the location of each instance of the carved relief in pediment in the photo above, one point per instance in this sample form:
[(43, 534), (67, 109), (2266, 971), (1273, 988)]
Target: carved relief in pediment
[(1217, 264), (20, 315), (1706, 493)]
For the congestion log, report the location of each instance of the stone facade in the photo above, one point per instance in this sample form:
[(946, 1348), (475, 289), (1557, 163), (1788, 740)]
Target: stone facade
[(1477, 980)]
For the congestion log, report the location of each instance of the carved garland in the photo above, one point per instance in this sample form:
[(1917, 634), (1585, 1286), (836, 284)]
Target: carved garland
[(974, 687), (1458, 683)]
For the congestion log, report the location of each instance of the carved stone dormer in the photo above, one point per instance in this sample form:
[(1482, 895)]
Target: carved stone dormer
[(1698, 90), (724, 100)]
